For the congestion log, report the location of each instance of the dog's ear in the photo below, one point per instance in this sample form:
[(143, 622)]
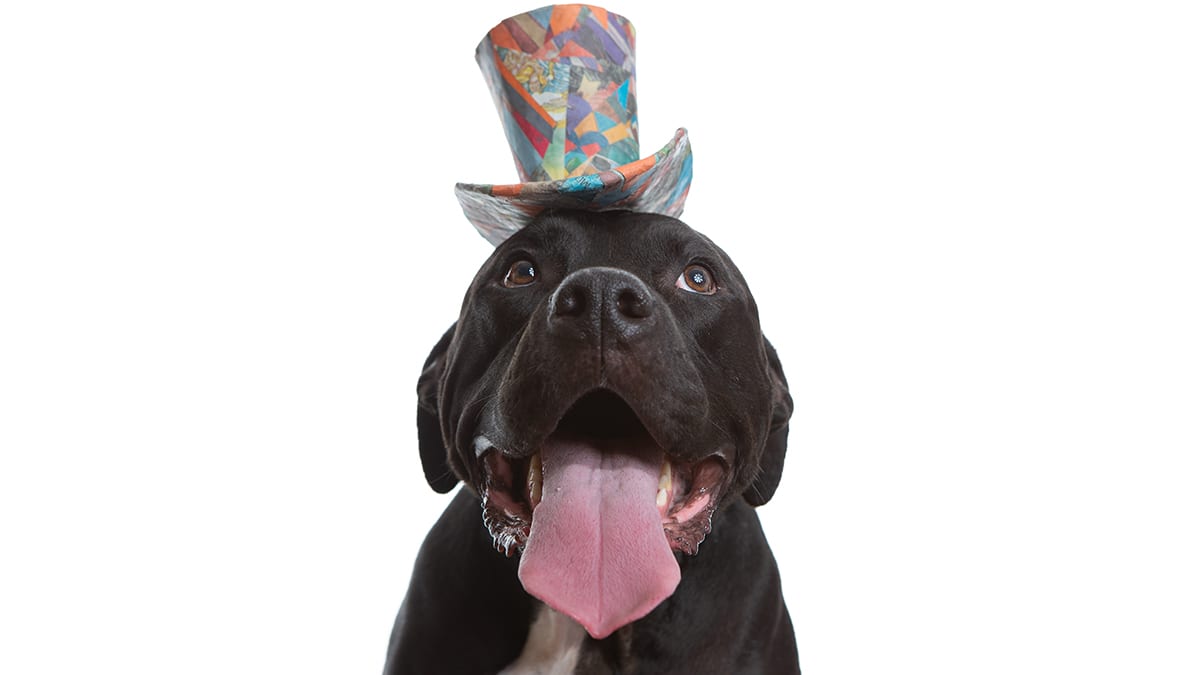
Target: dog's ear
[(770, 464), (434, 458)]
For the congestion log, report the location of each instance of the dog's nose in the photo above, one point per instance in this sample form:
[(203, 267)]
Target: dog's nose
[(601, 300)]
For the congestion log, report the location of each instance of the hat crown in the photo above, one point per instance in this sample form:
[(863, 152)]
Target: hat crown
[(562, 78)]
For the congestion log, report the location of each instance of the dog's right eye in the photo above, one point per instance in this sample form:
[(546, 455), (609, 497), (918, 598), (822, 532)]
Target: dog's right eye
[(520, 273)]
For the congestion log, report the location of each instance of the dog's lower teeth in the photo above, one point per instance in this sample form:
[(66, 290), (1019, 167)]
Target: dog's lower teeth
[(534, 480)]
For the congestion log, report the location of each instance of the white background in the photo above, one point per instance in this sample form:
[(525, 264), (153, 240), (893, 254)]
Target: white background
[(228, 240)]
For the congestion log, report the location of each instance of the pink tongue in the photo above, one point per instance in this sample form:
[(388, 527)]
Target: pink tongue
[(596, 549)]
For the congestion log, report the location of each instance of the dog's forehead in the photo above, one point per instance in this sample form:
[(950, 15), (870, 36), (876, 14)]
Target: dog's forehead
[(612, 233)]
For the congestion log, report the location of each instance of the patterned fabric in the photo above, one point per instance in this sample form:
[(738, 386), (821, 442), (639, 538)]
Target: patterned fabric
[(562, 78)]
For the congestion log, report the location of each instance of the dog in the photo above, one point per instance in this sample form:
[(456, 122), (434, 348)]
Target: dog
[(614, 413)]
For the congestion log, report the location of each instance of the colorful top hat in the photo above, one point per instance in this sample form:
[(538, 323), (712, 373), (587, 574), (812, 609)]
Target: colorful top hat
[(562, 78)]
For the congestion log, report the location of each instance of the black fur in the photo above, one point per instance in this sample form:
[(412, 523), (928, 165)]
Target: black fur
[(509, 369)]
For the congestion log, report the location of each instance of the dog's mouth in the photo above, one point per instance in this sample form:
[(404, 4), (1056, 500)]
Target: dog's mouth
[(686, 493), (597, 512)]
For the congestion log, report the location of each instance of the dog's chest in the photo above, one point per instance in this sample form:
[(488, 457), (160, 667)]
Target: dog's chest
[(552, 648)]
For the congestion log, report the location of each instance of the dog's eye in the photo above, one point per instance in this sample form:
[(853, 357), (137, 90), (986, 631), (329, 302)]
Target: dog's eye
[(697, 278), (521, 273)]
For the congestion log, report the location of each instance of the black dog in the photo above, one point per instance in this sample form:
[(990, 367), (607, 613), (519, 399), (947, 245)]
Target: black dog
[(608, 398)]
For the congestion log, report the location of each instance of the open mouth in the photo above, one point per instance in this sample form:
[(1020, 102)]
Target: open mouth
[(598, 512), (686, 492)]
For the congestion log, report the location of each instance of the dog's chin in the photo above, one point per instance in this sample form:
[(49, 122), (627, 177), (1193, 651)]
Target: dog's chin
[(511, 488)]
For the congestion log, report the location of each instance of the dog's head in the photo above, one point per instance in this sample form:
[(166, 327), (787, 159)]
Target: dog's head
[(606, 379)]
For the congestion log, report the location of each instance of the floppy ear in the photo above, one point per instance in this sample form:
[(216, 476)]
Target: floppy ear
[(429, 428), (770, 465)]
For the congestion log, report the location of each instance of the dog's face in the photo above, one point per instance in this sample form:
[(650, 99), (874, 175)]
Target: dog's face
[(607, 373)]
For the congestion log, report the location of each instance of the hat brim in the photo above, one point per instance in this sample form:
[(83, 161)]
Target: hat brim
[(658, 183)]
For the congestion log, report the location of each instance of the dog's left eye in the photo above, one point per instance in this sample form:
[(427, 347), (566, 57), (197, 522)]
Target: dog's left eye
[(697, 278), (521, 273)]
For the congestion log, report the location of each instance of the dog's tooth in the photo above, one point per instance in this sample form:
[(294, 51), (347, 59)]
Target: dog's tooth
[(664, 485), (534, 480)]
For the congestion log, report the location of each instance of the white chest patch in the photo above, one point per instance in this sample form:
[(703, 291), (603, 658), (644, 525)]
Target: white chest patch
[(552, 647)]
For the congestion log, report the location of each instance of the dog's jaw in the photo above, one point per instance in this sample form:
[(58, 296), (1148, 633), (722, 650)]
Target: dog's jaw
[(598, 515)]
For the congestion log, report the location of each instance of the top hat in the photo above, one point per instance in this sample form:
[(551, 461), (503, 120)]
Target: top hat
[(562, 78)]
